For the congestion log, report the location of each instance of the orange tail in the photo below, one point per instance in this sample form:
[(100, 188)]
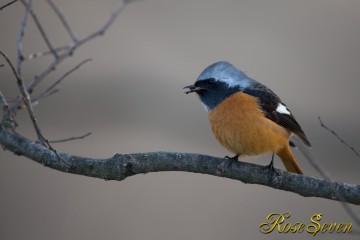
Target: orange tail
[(289, 160)]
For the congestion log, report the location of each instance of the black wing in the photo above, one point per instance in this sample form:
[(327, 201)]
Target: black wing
[(270, 103)]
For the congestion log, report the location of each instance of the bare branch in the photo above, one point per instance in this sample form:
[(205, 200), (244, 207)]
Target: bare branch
[(70, 51), (51, 88), (338, 137), (41, 29), (1, 65), (324, 174), (36, 100), (7, 4), (25, 96), (45, 53), (38, 78), (27, 101), (21, 36), (71, 138), (121, 166), (102, 30), (63, 20), (5, 107), (20, 56), (347, 208)]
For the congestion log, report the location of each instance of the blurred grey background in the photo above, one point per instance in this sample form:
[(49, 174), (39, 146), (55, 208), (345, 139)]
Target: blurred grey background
[(130, 97)]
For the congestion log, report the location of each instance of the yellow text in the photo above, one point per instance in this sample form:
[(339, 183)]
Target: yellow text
[(279, 222)]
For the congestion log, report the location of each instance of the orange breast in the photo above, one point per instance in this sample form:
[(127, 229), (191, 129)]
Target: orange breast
[(240, 126)]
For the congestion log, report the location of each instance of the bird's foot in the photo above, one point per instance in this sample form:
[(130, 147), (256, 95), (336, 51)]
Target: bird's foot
[(271, 170), (228, 163)]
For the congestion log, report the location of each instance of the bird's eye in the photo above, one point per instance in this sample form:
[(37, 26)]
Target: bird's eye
[(211, 82)]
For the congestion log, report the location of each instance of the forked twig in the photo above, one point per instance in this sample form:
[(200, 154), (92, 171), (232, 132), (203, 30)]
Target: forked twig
[(346, 206), (69, 51), (42, 30), (80, 42), (51, 88), (27, 101), (25, 96), (63, 20)]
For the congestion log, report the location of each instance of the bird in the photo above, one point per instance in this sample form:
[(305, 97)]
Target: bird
[(247, 117)]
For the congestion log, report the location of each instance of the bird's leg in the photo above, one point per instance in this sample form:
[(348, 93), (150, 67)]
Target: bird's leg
[(271, 168)]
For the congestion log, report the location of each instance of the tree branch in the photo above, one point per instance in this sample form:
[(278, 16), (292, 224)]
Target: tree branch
[(7, 4), (41, 29), (20, 56), (70, 50), (50, 90), (25, 97), (326, 176), (31, 56), (63, 20), (5, 108), (121, 166), (27, 101)]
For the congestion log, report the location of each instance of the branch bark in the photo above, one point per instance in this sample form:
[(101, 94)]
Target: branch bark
[(121, 166)]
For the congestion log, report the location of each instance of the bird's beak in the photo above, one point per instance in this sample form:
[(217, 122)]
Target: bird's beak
[(192, 88)]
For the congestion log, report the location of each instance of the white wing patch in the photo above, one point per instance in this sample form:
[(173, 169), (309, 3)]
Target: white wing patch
[(281, 108)]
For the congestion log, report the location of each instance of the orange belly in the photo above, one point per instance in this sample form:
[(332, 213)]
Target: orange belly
[(240, 126)]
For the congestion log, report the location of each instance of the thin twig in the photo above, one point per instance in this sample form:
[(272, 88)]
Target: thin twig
[(45, 53), (5, 107), (324, 174), (63, 20), (111, 20), (346, 206), (1, 65), (71, 138), (339, 138), (42, 31), (20, 56), (61, 57), (35, 101), (7, 4), (26, 98), (50, 89)]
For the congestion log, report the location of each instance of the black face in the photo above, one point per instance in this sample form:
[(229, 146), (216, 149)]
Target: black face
[(212, 92)]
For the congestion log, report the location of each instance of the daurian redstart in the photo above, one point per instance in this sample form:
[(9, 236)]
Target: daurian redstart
[(246, 117)]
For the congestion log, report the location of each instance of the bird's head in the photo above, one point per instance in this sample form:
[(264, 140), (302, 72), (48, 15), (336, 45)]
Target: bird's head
[(217, 82)]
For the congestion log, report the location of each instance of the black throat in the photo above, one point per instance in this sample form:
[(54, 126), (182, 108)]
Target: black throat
[(212, 97)]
